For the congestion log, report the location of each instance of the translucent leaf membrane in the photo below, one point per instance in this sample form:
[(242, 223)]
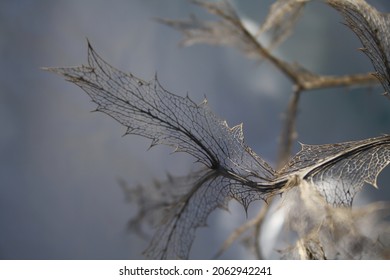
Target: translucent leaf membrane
[(147, 109), (338, 171), (174, 237), (232, 170), (372, 28)]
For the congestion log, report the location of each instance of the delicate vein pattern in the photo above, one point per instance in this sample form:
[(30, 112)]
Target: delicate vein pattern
[(174, 238), (338, 171), (147, 109), (232, 170), (372, 28), (153, 200)]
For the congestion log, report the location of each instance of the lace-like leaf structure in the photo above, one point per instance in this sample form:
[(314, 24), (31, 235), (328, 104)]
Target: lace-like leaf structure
[(233, 170), (339, 171), (372, 28), (147, 109)]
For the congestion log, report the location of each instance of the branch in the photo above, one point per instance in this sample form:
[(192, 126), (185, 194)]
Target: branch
[(230, 30)]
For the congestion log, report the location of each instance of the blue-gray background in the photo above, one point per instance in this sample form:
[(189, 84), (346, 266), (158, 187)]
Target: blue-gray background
[(59, 163)]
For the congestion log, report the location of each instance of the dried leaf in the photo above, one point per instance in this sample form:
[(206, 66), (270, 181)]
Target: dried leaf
[(174, 237), (147, 109), (228, 30), (372, 28), (338, 171), (153, 200), (281, 20), (232, 170)]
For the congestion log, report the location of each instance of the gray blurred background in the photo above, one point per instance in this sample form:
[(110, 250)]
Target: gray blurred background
[(60, 164)]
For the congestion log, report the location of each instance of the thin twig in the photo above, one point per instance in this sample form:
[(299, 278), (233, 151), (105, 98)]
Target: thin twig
[(257, 228), (321, 82), (288, 134), (255, 222), (301, 78), (287, 138)]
